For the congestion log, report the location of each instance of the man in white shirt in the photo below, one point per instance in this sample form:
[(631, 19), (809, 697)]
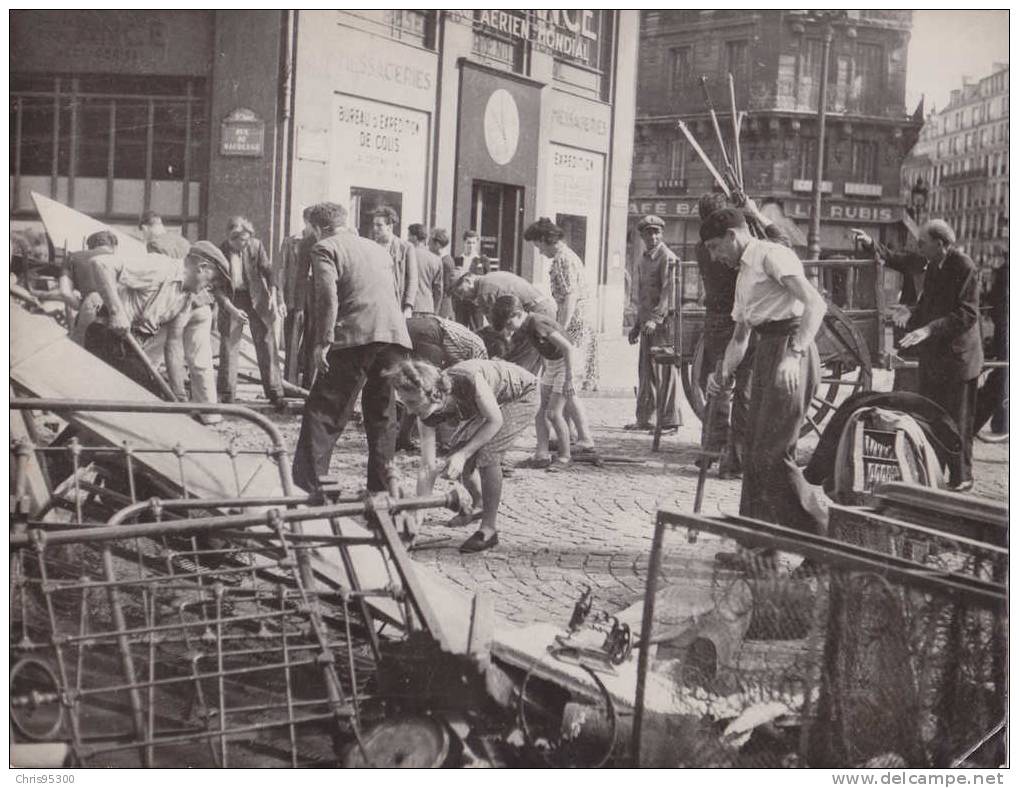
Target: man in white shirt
[(149, 296), (775, 300)]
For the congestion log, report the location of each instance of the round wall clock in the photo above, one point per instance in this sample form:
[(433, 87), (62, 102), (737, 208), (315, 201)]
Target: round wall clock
[(502, 126)]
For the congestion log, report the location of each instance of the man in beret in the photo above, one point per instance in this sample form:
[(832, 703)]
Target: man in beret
[(774, 300), (150, 297), (654, 305), (727, 433)]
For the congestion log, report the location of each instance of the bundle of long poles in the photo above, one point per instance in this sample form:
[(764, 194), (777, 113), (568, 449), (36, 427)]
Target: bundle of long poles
[(730, 177)]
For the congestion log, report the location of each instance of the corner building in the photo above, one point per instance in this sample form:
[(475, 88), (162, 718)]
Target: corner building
[(478, 119), (775, 59)]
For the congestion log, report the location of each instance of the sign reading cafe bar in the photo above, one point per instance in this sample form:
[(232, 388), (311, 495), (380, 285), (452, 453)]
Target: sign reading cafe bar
[(569, 33)]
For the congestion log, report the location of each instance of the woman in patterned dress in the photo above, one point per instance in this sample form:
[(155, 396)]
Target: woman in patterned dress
[(569, 289)]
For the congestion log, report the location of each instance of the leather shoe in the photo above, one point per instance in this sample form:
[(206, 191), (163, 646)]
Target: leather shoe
[(478, 543), (962, 487)]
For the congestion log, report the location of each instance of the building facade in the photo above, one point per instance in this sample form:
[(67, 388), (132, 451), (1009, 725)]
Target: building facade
[(479, 120), (958, 169), (775, 60)]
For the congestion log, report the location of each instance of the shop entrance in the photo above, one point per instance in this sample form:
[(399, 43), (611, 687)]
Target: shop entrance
[(497, 213), (363, 203)]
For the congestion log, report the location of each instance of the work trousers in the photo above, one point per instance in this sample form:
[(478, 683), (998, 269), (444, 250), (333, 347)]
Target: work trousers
[(197, 341), (330, 403), (774, 489), (299, 347), (264, 338), (728, 428), (649, 376), (958, 398)]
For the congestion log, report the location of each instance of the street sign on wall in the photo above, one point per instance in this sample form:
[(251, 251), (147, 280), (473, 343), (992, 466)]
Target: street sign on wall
[(242, 133)]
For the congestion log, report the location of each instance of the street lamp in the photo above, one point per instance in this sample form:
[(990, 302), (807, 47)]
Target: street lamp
[(829, 19)]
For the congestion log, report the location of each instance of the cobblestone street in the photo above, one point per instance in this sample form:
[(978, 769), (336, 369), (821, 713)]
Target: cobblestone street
[(591, 526)]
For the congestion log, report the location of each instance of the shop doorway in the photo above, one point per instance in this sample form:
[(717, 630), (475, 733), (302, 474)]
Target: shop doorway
[(363, 203), (497, 213), (575, 228)]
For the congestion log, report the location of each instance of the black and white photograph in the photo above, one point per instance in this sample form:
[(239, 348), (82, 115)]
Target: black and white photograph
[(509, 389)]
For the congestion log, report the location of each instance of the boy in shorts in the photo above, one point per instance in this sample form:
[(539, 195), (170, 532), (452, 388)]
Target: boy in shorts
[(557, 389)]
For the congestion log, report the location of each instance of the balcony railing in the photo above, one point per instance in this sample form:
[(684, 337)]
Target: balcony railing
[(965, 175), (672, 186)]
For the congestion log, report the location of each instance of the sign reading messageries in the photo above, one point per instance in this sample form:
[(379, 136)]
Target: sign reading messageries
[(380, 146)]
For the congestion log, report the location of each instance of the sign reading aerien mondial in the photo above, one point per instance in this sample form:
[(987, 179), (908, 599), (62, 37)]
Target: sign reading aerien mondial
[(569, 33)]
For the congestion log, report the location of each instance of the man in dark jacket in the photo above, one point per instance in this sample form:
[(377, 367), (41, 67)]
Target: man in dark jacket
[(402, 254), (728, 430), (438, 243), (945, 329), (911, 267), (256, 293), (360, 333)]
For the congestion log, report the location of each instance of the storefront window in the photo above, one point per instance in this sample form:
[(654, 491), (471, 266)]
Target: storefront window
[(495, 46), (410, 25), (108, 145)]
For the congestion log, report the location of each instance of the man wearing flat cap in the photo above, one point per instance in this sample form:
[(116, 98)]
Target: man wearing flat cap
[(654, 303), (149, 297), (775, 301)]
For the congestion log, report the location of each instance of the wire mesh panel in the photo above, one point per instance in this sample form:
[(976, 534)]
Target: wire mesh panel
[(874, 645), (184, 650), (174, 602)]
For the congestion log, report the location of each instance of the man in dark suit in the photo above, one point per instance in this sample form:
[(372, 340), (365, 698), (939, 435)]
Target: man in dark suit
[(944, 328), (360, 332)]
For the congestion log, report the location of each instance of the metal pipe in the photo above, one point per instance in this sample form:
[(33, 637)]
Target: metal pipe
[(757, 533), (726, 164), (704, 158), (116, 530), (814, 236), (736, 150), (135, 345), (128, 406), (646, 625)]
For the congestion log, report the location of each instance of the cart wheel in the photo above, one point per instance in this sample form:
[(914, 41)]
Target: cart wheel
[(37, 711), (845, 367), (690, 375), (845, 370)]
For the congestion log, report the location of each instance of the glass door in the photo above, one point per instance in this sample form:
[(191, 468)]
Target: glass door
[(497, 216)]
